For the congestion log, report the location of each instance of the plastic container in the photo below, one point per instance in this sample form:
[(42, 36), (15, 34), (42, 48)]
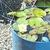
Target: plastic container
[(21, 44)]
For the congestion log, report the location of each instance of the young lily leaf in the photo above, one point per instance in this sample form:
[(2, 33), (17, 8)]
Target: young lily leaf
[(39, 12)]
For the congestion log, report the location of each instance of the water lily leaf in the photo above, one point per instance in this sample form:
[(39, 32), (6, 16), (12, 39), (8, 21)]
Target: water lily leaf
[(15, 26), (34, 38), (22, 21), (27, 11), (47, 26), (20, 34), (44, 23), (21, 14), (29, 37), (47, 10), (38, 21), (32, 32), (39, 12), (41, 30), (31, 21)]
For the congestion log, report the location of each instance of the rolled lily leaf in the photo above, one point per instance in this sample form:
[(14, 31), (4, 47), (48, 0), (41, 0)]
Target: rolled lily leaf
[(12, 13), (21, 14), (32, 38)]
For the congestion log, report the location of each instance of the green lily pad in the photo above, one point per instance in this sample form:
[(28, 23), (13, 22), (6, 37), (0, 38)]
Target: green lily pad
[(39, 12), (31, 21), (22, 21), (47, 10), (41, 30), (38, 21), (27, 11), (12, 13), (32, 32)]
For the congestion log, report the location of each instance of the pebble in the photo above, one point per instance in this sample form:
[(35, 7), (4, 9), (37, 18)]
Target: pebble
[(5, 37)]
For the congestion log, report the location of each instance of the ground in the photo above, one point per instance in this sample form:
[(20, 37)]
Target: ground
[(5, 37)]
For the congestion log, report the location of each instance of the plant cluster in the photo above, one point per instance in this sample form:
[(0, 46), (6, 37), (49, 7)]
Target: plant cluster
[(29, 23), (43, 3)]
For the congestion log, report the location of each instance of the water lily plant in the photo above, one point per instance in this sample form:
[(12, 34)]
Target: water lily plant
[(29, 24)]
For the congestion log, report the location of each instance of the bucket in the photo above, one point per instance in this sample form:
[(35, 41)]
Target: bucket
[(21, 44)]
